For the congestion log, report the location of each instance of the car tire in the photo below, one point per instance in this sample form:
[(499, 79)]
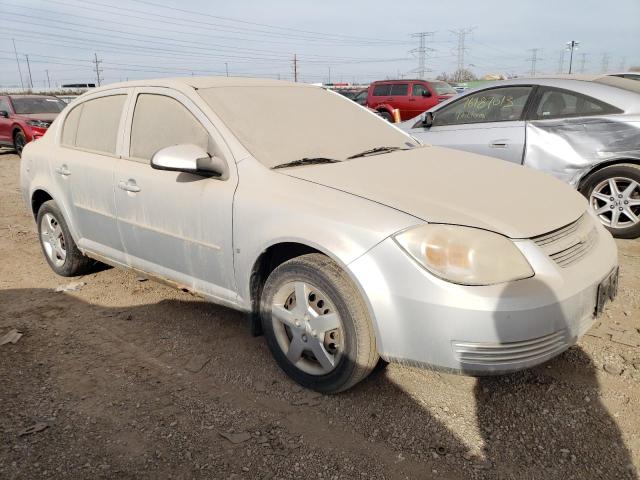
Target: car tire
[(597, 187), (58, 246), (348, 353), (386, 115), (19, 141)]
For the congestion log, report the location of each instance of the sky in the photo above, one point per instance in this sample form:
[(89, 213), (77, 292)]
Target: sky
[(337, 41)]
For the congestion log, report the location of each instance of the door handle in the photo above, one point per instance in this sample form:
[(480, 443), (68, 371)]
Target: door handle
[(411, 99), (129, 186), (63, 170), (501, 143)]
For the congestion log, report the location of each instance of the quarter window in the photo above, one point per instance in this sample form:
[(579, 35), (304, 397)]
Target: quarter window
[(160, 121), (400, 89), (496, 105), (94, 125), (555, 103), (383, 90)]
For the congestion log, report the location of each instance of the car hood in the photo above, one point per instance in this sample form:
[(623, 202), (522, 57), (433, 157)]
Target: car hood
[(441, 185), (45, 117)]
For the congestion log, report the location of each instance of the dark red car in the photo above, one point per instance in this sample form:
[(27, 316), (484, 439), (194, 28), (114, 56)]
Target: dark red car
[(411, 97), (24, 118)]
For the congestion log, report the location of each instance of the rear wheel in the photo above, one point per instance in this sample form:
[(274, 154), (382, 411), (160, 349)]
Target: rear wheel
[(58, 246), (19, 141), (614, 195), (317, 325), (386, 115)]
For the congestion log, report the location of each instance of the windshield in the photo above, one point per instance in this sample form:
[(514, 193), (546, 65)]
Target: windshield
[(443, 88), (287, 123), (25, 105)]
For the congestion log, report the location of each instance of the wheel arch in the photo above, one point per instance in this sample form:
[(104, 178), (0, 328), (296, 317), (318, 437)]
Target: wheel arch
[(38, 197), (596, 168)]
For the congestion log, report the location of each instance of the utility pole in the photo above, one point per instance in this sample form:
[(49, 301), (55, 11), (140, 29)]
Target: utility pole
[(329, 75), (48, 79), (295, 68), (422, 52), (571, 46), (29, 69), (462, 35), (583, 61), (98, 69), (534, 59), (605, 62), (561, 62), (18, 62), (226, 68)]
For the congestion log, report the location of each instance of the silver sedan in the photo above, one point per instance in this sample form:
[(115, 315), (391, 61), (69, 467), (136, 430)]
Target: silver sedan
[(344, 241), (583, 130)]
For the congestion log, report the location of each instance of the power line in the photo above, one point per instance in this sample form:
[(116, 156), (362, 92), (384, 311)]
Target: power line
[(583, 61), (534, 59), (18, 62), (623, 64), (421, 52), (561, 61), (29, 69)]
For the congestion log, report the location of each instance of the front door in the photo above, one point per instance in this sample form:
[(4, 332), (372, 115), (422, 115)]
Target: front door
[(175, 225), (489, 122)]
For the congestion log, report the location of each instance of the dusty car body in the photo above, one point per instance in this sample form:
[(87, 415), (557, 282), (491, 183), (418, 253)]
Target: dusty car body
[(346, 240), (571, 128)]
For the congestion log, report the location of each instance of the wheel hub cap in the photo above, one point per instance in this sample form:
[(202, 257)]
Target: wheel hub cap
[(616, 201)]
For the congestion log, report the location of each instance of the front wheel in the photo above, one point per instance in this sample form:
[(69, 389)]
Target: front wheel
[(19, 141), (386, 115), (614, 195), (317, 325)]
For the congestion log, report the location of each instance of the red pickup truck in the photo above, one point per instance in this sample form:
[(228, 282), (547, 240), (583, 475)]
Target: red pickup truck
[(411, 97)]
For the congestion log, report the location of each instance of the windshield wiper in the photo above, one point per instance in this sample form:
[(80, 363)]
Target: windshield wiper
[(305, 161), (373, 151)]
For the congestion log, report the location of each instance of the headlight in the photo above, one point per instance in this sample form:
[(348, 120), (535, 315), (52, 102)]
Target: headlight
[(38, 123), (465, 255)]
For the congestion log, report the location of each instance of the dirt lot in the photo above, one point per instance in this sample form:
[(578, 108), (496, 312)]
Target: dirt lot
[(130, 379)]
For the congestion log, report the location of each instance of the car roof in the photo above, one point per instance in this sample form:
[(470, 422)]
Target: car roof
[(30, 96), (406, 80), (204, 82)]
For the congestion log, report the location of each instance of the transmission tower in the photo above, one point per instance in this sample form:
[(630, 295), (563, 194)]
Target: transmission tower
[(534, 59), (583, 61), (605, 62), (422, 52), (97, 68), (462, 36)]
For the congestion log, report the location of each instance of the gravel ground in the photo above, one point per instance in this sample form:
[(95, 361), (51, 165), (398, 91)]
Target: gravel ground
[(131, 379)]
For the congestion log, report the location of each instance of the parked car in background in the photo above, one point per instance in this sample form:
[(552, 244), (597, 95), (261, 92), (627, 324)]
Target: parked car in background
[(629, 75), (24, 118), (361, 97), (347, 240), (582, 130), (411, 97)]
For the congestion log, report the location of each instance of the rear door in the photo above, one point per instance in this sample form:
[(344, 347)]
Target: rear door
[(90, 143), (399, 98), (380, 94), (489, 122)]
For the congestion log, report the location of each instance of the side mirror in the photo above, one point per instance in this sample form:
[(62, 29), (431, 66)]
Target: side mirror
[(428, 120), (4, 114), (188, 158), (426, 93)]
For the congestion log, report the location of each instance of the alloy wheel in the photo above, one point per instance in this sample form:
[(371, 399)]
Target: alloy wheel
[(52, 239), (616, 201)]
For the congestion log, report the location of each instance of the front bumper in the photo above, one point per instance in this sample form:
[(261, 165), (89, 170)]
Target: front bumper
[(424, 321)]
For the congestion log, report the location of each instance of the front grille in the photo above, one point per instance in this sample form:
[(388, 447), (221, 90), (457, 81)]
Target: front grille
[(496, 354), (569, 244)]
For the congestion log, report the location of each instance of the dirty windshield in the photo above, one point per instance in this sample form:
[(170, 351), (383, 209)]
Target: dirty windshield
[(288, 123)]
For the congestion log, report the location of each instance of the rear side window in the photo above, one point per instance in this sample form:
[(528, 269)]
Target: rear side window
[(383, 90), (159, 122), (400, 89), (556, 103), (95, 124), (4, 105), (493, 105)]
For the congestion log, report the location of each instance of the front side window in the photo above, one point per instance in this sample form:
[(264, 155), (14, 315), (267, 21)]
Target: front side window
[(400, 89), (556, 103), (160, 121), (26, 105), (495, 105), (420, 90), (382, 90), (95, 124)]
